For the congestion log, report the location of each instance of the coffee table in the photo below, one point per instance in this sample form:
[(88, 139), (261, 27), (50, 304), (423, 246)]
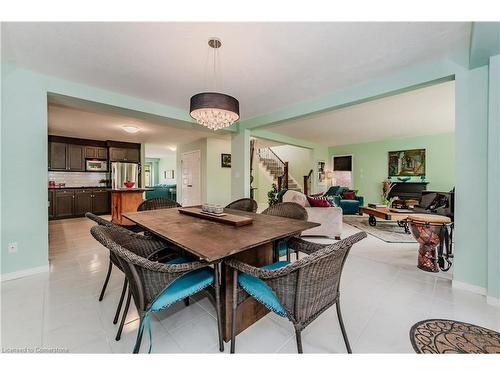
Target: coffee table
[(385, 214)]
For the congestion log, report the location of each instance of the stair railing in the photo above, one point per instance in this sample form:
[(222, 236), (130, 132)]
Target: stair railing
[(280, 166), (307, 182)]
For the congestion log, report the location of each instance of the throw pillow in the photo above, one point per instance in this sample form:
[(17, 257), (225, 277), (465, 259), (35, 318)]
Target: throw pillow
[(331, 200), (318, 202), (333, 190), (317, 195), (349, 195)]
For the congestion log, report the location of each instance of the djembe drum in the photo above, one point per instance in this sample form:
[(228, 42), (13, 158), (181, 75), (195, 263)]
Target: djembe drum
[(432, 231)]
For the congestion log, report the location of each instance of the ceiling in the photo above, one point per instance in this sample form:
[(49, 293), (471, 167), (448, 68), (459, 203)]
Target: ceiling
[(161, 137), (266, 66), (429, 110)]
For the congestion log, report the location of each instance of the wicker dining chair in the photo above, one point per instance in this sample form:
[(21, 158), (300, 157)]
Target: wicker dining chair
[(153, 246), (244, 204), (299, 291), (154, 285), (289, 210), (157, 203)]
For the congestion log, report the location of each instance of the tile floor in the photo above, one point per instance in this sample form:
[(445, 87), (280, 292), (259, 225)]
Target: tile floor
[(383, 294)]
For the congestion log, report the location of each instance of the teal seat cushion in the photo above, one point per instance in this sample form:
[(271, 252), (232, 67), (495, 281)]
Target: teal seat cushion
[(282, 248), (349, 206), (184, 286), (259, 290), (179, 260)]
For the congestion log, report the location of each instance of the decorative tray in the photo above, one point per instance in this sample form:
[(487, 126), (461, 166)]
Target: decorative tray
[(225, 218)]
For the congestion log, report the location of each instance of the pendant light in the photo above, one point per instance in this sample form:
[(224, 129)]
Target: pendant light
[(213, 109)]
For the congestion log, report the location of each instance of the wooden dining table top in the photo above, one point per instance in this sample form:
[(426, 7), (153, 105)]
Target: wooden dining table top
[(210, 240)]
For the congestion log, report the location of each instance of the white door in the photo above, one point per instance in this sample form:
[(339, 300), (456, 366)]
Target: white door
[(190, 179)]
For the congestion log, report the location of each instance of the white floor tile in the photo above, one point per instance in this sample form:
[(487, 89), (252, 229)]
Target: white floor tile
[(382, 295)]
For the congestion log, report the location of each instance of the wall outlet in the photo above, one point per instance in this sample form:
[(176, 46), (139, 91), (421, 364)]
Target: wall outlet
[(12, 247)]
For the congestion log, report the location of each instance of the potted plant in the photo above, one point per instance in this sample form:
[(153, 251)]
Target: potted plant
[(387, 186), (104, 182), (272, 195)]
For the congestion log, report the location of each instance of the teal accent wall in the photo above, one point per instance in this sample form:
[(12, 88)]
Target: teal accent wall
[(493, 206), (370, 162), (24, 170), (471, 142)]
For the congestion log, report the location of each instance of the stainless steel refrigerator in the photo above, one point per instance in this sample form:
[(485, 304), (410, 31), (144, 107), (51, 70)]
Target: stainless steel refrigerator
[(121, 172)]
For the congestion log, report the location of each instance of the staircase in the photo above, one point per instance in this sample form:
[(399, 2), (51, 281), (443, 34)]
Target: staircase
[(277, 168)]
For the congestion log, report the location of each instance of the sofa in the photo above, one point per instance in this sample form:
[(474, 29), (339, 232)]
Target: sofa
[(349, 206), (330, 218), (164, 191)]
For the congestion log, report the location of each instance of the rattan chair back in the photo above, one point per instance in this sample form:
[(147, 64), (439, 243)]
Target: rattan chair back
[(310, 285), (147, 278), (244, 204), (290, 210), (157, 203)]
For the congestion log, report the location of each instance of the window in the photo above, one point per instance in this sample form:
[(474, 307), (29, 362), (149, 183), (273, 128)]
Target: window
[(342, 171)]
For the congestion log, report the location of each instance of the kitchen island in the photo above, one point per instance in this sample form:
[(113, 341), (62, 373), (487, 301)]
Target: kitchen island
[(125, 200)]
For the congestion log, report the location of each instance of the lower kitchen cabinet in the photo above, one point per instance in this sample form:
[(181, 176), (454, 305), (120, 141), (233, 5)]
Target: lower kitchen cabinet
[(100, 202), (51, 204), (64, 203), (83, 202), (76, 202)]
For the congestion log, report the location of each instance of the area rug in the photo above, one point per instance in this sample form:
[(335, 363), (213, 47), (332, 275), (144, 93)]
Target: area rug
[(442, 336), (387, 231)]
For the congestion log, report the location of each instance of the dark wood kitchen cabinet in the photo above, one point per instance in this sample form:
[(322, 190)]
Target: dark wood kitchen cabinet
[(100, 201), (131, 155), (76, 158), (83, 202), (66, 157), (76, 202), (64, 203), (92, 152), (51, 204), (58, 155)]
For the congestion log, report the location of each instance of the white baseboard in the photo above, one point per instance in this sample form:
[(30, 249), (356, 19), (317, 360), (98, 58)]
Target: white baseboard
[(24, 273), (478, 290), (493, 301), (468, 287)]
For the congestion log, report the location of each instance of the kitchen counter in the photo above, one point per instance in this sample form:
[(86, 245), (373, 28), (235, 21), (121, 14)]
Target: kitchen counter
[(76, 187), (125, 200), (128, 190)]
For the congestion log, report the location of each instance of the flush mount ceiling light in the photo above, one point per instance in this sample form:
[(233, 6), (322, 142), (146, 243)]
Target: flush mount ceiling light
[(172, 148), (130, 129), (213, 109)]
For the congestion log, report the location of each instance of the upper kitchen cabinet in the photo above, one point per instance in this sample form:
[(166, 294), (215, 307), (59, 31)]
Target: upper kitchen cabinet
[(66, 157), (58, 155), (131, 155), (92, 152), (76, 158), (70, 154)]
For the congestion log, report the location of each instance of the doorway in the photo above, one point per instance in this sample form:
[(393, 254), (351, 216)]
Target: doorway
[(190, 179)]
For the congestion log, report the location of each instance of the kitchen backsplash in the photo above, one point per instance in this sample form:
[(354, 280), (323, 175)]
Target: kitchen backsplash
[(77, 179)]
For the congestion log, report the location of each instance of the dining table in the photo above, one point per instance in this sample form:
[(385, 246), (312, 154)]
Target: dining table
[(214, 241)]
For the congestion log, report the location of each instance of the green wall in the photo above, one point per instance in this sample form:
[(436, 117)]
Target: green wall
[(215, 180), (493, 205), (218, 178), (24, 170), (370, 162), (471, 223)]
